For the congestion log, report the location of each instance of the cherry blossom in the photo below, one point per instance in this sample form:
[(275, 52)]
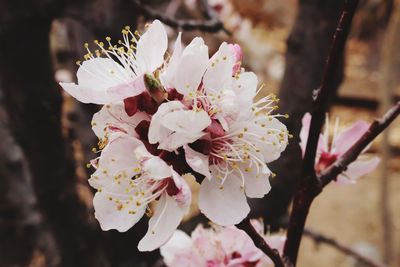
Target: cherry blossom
[(329, 149), (163, 117), (128, 178), (230, 147), (120, 74), (218, 247)]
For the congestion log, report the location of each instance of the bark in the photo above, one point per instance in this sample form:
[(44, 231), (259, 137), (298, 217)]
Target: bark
[(21, 224), (307, 47), (34, 102)]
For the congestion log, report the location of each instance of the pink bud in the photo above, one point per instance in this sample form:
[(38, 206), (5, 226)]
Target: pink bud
[(238, 54)]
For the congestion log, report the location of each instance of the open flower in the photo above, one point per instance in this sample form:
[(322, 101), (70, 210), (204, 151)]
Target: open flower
[(128, 179), (174, 125), (241, 136), (329, 150), (237, 161), (113, 118), (120, 73), (217, 247)]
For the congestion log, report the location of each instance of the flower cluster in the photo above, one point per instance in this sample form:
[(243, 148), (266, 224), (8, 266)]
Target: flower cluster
[(167, 116), (219, 247), (329, 150)]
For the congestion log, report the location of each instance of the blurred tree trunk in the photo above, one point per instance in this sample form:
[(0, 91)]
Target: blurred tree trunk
[(21, 227), (389, 68), (307, 48)]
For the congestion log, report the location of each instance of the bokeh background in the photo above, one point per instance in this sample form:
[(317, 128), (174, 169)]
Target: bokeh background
[(46, 214)]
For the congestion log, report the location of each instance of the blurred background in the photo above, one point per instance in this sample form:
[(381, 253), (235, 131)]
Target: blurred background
[(46, 212)]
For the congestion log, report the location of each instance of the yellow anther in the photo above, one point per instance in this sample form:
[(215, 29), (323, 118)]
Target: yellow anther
[(108, 38)]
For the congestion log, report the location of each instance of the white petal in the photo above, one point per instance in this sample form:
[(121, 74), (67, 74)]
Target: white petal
[(176, 140), (186, 121), (226, 206), (114, 116), (118, 156), (178, 243), (151, 47), (98, 78), (219, 71), (192, 66), (112, 216), (197, 161), (156, 131), (257, 185), (156, 168), (166, 218), (124, 90), (167, 77), (245, 88)]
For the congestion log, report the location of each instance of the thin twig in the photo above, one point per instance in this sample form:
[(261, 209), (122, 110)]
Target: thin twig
[(260, 242), (308, 187), (320, 238), (211, 24), (351, 155)]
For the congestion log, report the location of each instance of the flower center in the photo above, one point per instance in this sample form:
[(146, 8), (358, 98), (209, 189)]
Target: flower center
[(326, 159)]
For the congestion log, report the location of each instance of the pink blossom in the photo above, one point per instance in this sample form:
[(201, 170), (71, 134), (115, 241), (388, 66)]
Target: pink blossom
[(217, 247), (329, 150)]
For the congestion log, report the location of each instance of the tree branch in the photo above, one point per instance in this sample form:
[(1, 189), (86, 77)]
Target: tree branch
[(320, 238), (260, 242), (309, 183), (211, 24), (323, 93), (351, 155)]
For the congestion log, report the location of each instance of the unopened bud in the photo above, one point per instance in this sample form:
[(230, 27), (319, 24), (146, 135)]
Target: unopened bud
[(154, 87)]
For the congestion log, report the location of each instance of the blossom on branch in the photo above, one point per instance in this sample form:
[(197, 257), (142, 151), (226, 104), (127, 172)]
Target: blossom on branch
[(329, 150), (164, 117), (218, 247)]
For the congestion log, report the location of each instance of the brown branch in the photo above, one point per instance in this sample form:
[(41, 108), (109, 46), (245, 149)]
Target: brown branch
[(323, 93), (211, 24), (351, 155), (320, 238), (260, 242), (308, 187)]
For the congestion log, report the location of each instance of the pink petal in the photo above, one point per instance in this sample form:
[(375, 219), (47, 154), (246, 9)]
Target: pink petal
[(167, 215), (348, 137), (226, 206), (197, 161), (306, 121), (357, 169)]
